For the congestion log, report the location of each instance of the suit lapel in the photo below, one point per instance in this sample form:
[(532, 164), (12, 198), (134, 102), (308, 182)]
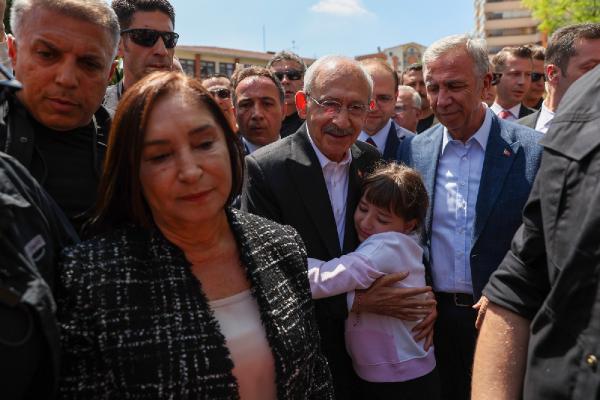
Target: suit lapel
[(426, 159), (305, 171), (500, 154), (391, 144)]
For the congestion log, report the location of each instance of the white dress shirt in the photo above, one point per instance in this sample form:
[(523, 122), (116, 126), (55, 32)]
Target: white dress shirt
[(379, 138), (544, 120), (514, 111), (456, 188), (336, 180)]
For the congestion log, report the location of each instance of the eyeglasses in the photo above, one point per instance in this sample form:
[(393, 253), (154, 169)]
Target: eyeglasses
[(222, 93), (292, 75), (148, 37), (536, 76), (332, 107)]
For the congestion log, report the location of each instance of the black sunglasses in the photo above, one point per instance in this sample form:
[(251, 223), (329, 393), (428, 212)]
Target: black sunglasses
[(148, 37), (536, 76), (292, 75), (222, 93)]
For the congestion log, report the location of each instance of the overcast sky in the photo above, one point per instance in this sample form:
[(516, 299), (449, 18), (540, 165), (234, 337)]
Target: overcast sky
[(314, 28)]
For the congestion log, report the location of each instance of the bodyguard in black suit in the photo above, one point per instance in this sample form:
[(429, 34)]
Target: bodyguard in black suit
[(311, 181)]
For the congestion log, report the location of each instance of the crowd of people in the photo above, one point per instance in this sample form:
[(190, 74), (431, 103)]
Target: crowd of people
[(336, 231)]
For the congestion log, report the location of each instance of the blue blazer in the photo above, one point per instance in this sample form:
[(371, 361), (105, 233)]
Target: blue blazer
[(512, 158)]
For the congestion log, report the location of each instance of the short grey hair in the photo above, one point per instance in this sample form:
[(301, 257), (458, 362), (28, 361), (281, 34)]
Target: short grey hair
[(415, 95), (311, 73), (287, 56), (476, 48), (97, 12)]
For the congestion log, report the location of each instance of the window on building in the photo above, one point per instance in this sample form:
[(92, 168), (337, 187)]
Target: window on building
[(207, 68), (188, 66), (226, 68)]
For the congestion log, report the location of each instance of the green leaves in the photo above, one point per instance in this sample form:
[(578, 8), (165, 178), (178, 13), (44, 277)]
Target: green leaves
[(554, 14)]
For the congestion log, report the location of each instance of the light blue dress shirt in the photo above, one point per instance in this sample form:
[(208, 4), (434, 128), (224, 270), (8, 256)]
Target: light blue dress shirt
[(456, 187)]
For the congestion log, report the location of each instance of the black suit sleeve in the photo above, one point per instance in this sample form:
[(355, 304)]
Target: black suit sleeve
[(257, 195)]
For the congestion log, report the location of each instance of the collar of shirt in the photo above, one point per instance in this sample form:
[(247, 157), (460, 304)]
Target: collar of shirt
[(496, 108), (379, 138), (481, 136), (402, 132), (323, 160), (251, 146), (544, 120)]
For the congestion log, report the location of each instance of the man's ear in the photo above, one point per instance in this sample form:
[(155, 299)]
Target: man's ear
[(113, 67), (11, 43), (301, 104), (552, 74), (121, 48)]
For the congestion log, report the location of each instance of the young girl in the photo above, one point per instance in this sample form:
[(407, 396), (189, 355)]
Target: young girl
[(384, 353)]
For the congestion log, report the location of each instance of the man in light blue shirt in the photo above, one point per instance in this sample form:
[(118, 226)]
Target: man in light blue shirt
[(478, 171)]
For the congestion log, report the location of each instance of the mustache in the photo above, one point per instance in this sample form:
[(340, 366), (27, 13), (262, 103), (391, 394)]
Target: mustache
[(335, 130)]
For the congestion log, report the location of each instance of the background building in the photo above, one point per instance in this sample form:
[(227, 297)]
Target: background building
[(203, 61), (399, 57), (505, 23)]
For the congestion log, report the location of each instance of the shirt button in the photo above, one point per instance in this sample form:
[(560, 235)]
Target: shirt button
[(592, 361)]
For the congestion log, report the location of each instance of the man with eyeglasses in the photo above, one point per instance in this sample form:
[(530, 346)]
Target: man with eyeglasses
[(407, 110), (379, 129), (311, 181), (147, 43), (220, 88), (572, 51), (512, 68), (259, 106), (535, 95), (55, 126), (289, 68)]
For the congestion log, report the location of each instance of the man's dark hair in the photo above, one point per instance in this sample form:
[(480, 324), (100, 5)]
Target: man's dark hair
[(243, 73), (537, 52), (562, 43), (412, 67), (126, 8), (384, 65), (287, 56), (499, 59)]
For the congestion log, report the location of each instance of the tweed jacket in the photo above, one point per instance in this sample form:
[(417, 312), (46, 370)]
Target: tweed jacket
[(136, 324)]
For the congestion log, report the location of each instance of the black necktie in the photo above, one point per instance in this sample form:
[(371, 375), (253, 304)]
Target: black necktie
[(371, 142)]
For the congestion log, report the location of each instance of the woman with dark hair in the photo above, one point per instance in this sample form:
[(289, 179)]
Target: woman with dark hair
[(182, 296)]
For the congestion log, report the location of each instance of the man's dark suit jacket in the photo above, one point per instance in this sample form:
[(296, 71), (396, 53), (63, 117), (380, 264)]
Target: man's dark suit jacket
[(391, 144), (524, 111), (512, 158), (530, 120), (285, 183)]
